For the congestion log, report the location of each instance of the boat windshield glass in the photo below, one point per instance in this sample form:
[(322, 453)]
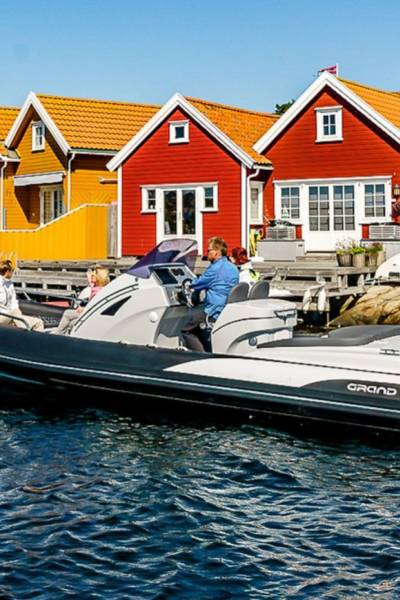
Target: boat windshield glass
[(170, 251)]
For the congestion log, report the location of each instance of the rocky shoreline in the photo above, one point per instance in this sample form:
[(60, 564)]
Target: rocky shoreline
[(379, 306)]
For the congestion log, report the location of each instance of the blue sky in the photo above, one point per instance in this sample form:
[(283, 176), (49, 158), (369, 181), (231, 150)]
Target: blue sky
[(249, 53)]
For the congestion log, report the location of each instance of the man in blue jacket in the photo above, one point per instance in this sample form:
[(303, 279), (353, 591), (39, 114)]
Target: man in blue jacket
[(218, 280)]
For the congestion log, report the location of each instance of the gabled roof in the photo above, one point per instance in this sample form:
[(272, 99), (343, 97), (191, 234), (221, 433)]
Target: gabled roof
[(96, 124), (235, 128), (243, 126), (7, 118), (380, 107), (83, 124), (107, 126), (386, 103)]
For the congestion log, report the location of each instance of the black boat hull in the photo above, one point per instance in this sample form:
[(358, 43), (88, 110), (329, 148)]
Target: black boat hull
[(43, 365)]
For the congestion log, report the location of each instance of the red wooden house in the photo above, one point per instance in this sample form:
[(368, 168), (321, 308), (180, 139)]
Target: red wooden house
[(336, 160), (191, 171), (197, 168)]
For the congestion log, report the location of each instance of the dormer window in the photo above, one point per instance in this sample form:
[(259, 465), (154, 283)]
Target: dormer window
[(178, 132), (38, 136), (329, 124)]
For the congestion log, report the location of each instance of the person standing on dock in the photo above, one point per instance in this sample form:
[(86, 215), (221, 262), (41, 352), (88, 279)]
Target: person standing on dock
[(218, 280), (10, 313), (243, 262)]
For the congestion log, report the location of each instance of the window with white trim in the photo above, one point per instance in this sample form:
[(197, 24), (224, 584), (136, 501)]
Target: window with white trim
[(256, 203), (318, 208), (149, 200), (210, 198), (343, 208), (374, 200), (51, 204), (178, 132), (38, 136), (290, 203), (329, 124)]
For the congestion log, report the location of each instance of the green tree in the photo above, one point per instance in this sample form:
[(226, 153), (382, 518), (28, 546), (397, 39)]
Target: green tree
[(282, 108)]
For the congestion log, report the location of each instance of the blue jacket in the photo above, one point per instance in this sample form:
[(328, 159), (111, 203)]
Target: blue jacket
[(218, 279)]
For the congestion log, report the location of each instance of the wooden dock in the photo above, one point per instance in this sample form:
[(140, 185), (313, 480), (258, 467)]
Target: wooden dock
[(312, 272)]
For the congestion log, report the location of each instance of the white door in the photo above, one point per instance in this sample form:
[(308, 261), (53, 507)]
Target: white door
[(179, 214), (330, 214)]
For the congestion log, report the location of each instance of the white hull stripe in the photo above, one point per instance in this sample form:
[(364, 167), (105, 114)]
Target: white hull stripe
[(200, 386)]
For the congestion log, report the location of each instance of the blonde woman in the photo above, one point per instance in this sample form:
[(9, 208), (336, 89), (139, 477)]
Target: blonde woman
[(97, 279)]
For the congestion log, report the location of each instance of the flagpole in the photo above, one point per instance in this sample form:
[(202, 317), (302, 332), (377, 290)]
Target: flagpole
[(337, 69)]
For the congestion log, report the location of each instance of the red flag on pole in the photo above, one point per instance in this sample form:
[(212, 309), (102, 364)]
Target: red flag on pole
[(334, 70)]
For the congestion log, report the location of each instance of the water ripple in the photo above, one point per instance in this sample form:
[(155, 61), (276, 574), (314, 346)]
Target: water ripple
[(96, 505)]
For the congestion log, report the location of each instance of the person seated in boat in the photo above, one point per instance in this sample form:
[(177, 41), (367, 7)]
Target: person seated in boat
[(243, 263), (11, 314), (97, 279), (217, 280)]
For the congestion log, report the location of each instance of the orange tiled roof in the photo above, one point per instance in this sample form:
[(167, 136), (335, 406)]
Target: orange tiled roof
[(386, 103), (7, 118), (244, 127), (107, 125), (97, 124)]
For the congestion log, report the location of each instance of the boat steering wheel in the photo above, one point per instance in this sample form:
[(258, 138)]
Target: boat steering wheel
[(185, 293), (188, 296)]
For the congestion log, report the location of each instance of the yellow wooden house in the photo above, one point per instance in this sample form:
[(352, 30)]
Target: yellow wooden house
[(57, 198)]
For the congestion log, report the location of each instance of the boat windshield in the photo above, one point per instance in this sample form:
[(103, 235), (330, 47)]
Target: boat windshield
[(170, 251)]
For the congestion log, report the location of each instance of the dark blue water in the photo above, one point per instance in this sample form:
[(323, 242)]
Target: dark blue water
[(96, 505)]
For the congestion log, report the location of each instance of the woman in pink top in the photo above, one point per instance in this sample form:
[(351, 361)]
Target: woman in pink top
[(97, 279)]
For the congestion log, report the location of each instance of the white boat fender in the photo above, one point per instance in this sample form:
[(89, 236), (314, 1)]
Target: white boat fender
[(307, 300), (321, 299)]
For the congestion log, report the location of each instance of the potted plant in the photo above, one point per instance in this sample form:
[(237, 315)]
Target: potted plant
[(374, 252), (343, 252), (358, 256)]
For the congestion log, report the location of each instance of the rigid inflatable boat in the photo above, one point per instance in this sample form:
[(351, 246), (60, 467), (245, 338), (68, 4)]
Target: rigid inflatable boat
[(127, 343)]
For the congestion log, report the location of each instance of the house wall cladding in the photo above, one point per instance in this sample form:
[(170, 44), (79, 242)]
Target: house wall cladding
[(22, 204), (158, 162), (86, 187), (365, 149), (17, 213), (49, 159)]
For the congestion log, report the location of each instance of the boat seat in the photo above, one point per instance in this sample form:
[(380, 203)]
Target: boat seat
[(260, 290), (239, 293), (357, 335)]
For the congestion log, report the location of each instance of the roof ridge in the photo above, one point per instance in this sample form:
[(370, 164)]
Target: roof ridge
[(369, 87), (97, 100), (10, 108), (230, 107)]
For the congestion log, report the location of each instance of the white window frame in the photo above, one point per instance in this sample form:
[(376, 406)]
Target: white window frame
[(52, 189), (387, 193), (146, 200), (343, 214), (320, 113), (173, 125), (214, 207), (35, 126), (289, 217), (259, 186), (313, 238)]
